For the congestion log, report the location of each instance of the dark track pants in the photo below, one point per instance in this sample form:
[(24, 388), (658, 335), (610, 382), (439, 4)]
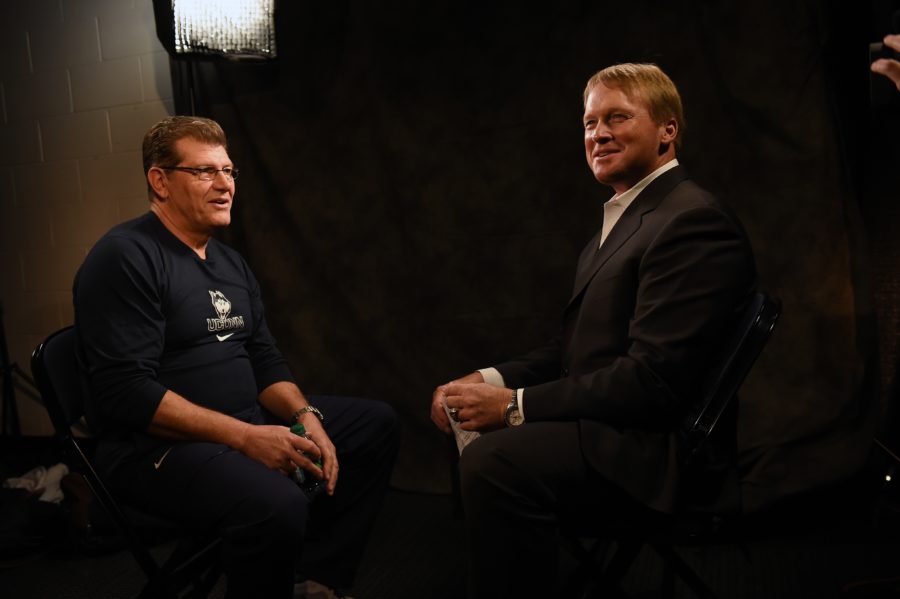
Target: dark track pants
[(267, 524)]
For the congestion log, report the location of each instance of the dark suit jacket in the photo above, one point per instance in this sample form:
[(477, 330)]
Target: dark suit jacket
[(647, 313)]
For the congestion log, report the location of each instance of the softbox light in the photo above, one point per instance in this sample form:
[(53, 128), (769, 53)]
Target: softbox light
[(235, 29)]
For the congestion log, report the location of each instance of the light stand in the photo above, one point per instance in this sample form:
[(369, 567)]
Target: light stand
[(9, 416)]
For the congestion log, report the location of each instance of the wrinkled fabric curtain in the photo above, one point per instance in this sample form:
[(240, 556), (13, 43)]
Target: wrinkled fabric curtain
[(414, 195)]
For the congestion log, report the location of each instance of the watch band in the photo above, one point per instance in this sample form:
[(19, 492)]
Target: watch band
[(511, 408), (296, 415)]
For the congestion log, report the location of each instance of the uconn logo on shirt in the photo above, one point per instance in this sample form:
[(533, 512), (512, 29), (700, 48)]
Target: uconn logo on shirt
[(223, 322)]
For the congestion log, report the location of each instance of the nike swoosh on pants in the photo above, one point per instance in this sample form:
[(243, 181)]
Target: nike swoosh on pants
[(159, 463)]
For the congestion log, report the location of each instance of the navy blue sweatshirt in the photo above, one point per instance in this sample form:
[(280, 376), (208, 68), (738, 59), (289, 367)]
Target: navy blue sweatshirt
[(152, 316)]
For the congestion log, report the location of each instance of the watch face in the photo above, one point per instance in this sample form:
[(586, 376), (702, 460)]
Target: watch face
[(514, 417)]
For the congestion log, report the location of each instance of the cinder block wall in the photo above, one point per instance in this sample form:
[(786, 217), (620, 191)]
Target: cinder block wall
[(81, 81)]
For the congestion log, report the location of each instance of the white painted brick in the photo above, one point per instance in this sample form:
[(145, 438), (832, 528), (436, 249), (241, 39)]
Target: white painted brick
[(20, 143), (7, 189), (10, 274), (109, 83), (34, 418), (129, 34), (42, 94), (52, 269), (27, 228), (133, 207), (66, 309), (14, 61), (7, 231), (36, 313), (57, 46), (76, 9), (47, 184), (33, 12), (112, 177), (81, 225), (128, 124), (157, 76), (75, 135), (56, 199)]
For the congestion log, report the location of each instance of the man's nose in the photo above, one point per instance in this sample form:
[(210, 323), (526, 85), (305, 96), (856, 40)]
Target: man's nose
[(601, 134)]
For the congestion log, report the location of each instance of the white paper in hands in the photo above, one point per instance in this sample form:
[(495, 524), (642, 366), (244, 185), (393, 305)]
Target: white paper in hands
[(463, 437)]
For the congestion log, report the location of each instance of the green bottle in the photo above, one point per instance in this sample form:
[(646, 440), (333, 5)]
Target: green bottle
[(310, 485)]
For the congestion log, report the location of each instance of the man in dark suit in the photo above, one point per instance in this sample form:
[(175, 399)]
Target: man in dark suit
[(587, 425)]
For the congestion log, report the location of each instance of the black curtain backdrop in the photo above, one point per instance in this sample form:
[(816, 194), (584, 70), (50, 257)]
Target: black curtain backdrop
[(414, 196)]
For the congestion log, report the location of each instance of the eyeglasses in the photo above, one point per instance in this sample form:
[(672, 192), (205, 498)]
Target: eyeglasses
[(207, 173)]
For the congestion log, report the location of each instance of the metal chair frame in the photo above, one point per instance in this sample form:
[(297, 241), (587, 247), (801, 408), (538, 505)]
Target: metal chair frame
[(192, 568), (595, 575)]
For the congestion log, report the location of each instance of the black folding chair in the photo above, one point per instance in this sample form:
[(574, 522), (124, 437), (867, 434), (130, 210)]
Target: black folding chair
[(595, 575), (192, 568)]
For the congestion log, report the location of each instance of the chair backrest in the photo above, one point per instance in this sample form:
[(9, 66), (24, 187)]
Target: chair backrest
[(737, 358), (54, 364), (193, 565), (55, 369)]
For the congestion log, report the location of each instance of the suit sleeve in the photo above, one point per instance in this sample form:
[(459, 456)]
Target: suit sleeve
[(542, 364), (695, 276), (537, 366)]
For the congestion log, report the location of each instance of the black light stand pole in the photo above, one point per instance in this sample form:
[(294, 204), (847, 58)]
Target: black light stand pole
[(9, 417)]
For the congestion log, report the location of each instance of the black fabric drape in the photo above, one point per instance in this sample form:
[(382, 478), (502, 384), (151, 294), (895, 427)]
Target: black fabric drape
[(414, 196)]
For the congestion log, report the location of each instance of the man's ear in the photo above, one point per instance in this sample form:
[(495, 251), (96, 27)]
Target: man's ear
[(158, 183), (670, 132)]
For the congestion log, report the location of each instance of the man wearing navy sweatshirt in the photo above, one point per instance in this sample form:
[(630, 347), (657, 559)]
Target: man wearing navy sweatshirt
[(191, 399)]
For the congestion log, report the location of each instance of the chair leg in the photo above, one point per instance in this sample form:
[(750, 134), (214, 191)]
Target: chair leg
[(589, 556), (606, 582), (687, 574), (667, 591), (204, 586)]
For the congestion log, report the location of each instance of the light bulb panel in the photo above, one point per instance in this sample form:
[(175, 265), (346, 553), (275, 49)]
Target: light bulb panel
[(235, 28)]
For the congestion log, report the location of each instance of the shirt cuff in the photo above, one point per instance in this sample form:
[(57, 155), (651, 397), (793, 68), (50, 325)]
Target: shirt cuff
[(492, 376)]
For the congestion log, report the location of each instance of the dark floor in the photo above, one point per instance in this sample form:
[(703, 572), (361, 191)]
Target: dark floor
[(417, 551)]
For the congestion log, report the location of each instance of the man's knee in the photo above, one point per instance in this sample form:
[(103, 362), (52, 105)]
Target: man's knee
[(484, 469), (277, 513), (381, 426), (383, 416)]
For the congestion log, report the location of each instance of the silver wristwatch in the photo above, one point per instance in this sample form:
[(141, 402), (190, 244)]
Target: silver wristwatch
[(513, 416), (296, 415)]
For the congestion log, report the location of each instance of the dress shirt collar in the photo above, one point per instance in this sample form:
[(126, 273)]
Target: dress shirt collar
[(616, 205)]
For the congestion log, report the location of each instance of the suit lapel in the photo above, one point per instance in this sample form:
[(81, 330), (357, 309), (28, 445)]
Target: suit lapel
[(587, 259), (628, 224)]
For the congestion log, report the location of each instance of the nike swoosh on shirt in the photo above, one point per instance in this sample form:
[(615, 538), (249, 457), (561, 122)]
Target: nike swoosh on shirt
[(159, 463), (224, 337)]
